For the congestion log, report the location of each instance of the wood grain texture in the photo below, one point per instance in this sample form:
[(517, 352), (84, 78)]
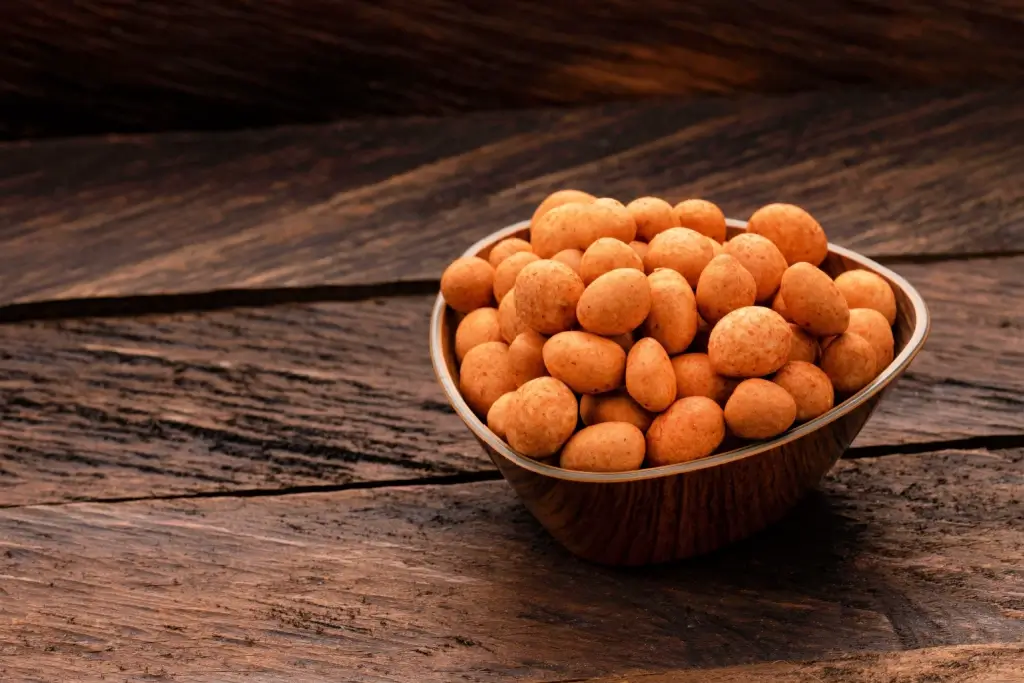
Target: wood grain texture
[(340, 393), (887, 174), (969, 375), (896, 553), (105, 65), (297, 395), (964, 664)]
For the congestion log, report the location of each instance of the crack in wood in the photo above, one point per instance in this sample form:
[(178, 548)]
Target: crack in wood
[(991, 443), (207, 301), (440, 480), (902, 259), (260, 297)]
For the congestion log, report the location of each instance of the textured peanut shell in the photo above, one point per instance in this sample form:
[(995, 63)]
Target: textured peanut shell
[(864, 289), (561, 198), (546, 296), (653, 216), (872, 325), (485, 375), (749, 342), (809, 386), (695, 377), (761, 258), (681, 249), (606, 217), (508, 317), (615, 303), (526, 357), (558, 229), (759, 409), (702, 216), (803, 346), (673, 318), (468, 284), (605, 255), (605, 447), (507, 271), (691, 428), (570, 257), (478, 327), (589, 364), (850, 362), (650, 379), (497, 416), (724, 286), (505, 248), (542, 417), (615, 406), (813, 301), (794, 231)]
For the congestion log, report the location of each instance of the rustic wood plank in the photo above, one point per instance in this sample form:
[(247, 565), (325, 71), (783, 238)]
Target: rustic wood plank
[(286, 396), (342, 393), (106, 65), (896, 552), (970, 376), (963, 664), (372, 202)]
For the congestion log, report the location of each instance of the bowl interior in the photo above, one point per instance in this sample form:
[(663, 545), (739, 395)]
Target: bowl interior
[(910, 331)]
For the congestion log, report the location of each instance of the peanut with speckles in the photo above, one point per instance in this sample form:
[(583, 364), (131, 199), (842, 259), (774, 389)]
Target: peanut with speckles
[(614, 337)]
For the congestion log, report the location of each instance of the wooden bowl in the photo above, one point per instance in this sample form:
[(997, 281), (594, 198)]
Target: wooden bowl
[(676, 511)]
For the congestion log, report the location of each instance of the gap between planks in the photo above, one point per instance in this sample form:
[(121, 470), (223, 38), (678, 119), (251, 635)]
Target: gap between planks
[(990, 443), (208, 301), (259, 297)]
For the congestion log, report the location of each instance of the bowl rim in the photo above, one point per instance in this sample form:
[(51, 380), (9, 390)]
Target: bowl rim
[(481, 431)]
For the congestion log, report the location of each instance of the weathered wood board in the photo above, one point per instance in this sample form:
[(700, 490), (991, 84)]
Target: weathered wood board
[(458, 582)]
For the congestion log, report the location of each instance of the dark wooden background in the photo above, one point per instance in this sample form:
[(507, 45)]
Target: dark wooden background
[(195, 490), (115, 65), (201, 454)]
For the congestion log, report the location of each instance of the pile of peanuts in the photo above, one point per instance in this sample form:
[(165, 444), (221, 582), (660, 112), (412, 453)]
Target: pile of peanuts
[(620, 337)]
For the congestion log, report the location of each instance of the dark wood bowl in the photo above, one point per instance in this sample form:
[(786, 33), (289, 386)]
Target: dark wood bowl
[(676, 511)]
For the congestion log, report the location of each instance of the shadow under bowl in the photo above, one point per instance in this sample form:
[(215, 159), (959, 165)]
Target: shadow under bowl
[(672, 512)]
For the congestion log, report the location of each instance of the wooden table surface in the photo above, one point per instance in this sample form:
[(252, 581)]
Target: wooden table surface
[(224, 456)]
